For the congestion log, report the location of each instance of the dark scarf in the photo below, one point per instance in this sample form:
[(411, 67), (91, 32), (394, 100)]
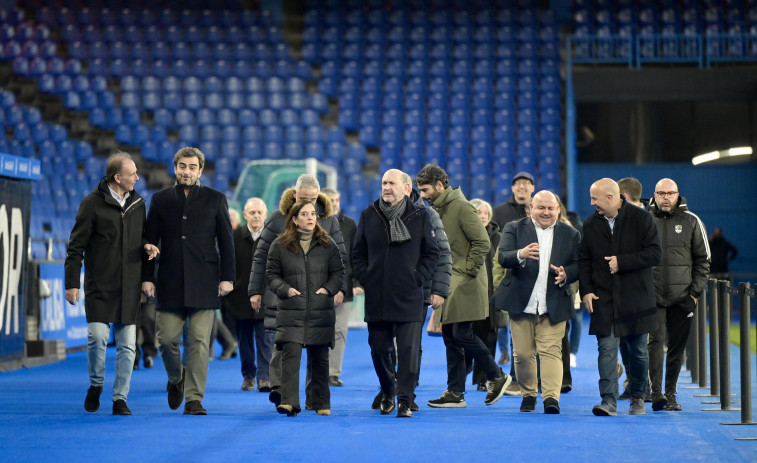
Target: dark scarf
[(397, 229)]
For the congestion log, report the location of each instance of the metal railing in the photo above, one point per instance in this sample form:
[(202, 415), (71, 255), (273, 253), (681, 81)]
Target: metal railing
[(636, 50), (716, 303)]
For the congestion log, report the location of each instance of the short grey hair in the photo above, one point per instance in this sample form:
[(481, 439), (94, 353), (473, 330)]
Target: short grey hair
[(256, 199), (307, 181), (478, 203), (331, 192), (406, 178)]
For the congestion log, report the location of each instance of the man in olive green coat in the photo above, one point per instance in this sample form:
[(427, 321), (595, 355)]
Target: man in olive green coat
[(468, 294)]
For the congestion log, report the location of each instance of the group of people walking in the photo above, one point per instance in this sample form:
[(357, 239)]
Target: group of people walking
[(287, 281)]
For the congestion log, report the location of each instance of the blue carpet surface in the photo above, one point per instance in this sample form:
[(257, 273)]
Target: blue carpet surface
[(42, 419)]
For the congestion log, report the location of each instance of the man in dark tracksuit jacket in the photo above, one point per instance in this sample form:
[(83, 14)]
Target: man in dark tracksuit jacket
[(679, 282)]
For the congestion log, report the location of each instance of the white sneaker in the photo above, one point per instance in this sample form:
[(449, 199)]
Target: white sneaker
[(572, 360)]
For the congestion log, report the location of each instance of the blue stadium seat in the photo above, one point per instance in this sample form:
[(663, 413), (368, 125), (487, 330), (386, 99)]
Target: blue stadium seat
[(252, 133), (252, 150)]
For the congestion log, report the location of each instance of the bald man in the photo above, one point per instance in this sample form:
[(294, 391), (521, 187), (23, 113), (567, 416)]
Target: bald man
[(680, 282), (541, 255), (394, 256), (620, 246)]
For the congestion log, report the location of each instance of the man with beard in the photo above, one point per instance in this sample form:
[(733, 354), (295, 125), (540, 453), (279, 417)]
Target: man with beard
[(679, 282), (191, 224), (468, 299)]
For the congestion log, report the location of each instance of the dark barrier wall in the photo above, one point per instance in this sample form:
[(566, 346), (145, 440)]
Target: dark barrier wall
[(15, 202), (16, 175), (721, 195)]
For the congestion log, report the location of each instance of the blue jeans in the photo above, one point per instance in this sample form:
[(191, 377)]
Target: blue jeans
[(97, 344), (576, 325), (504, 346), (251, 333), (607, 362)]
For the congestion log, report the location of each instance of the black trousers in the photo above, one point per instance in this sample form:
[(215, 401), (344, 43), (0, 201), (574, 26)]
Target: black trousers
[(676, 321), (488, 334), (318, 357), (459, 340), (381, 340)]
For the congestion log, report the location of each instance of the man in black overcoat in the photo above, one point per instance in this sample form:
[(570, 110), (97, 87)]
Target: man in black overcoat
[(191, 224), (619, 248)]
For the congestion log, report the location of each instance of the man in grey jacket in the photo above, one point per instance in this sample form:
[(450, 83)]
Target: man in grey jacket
[(679, 282)]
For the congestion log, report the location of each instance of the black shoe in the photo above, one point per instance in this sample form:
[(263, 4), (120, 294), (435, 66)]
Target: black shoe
[(387, 404), (335, 381), (481, 387), (413, 407), (275, 396), (92, 401), (176, 393), (659, 401), (449, 399), (551, 406), (497, 387), (648, 397), (566, 388), (287, 410), (528, 404), (625, 395), (148, 361), (403, 411), (120, 408), (672, 404), (376, 404), (194, 407)]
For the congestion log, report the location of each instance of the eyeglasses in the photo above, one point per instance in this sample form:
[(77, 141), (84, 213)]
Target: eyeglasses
[(664, 194)]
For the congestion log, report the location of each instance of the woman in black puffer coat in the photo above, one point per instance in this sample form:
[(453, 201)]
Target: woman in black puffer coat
[(304, 269)]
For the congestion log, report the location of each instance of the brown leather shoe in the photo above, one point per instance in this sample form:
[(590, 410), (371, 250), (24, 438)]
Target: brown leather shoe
[(248, 384)]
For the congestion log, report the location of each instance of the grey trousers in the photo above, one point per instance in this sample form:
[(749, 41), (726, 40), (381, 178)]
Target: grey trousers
[(340, 338), (169, 327)]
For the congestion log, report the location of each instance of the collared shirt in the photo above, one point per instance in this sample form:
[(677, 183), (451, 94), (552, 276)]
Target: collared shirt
[(255, 236), (611, 221), (117, 197), (537, 304)]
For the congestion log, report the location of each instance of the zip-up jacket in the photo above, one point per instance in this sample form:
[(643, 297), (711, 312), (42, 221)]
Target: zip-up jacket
[(685, 254), (109, 239), (308, 318)]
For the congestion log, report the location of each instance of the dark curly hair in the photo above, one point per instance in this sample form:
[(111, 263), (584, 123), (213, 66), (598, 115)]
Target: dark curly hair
[(430, 174)]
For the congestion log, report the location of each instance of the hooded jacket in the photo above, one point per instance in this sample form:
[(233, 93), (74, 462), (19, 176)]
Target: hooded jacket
[(685, 254), (469, 243), (110, 241)]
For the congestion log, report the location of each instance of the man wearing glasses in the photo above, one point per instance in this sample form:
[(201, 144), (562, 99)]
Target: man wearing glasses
[(679, 282)]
